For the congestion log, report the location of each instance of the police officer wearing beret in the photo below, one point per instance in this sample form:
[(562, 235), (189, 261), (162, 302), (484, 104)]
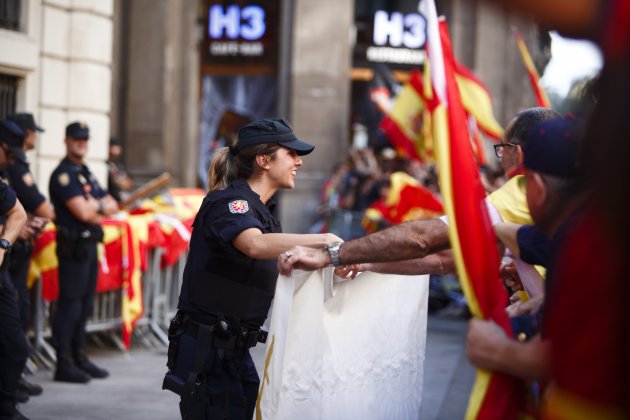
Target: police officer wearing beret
[(79, 203), (13, 344), (230, 275)]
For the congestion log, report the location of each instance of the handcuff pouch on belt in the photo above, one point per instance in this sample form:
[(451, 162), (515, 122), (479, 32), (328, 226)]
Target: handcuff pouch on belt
[(215, 345)]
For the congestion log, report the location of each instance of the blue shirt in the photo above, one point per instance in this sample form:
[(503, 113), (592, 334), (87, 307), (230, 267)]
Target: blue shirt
[(67, 181), (22, 182)]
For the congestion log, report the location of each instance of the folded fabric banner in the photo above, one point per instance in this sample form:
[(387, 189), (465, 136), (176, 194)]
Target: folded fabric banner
[(345, 349)]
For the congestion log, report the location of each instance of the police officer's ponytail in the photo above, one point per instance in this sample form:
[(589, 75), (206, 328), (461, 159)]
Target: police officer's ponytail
[(229, 164)]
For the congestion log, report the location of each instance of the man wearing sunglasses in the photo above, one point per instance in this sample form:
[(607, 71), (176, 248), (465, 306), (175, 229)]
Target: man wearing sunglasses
[(421, 246)]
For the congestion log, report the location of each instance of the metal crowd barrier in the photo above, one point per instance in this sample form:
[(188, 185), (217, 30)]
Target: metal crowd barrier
[(160, 289)]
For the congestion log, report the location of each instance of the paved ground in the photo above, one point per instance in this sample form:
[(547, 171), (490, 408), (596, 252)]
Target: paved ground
[(133, 391)]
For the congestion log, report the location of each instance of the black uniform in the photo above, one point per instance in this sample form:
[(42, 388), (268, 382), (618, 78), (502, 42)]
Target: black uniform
[(22, 182), (224, 300), (13, 345), (77, 253)]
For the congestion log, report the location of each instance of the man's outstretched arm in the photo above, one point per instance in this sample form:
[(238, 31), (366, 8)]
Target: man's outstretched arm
[(410, 240)]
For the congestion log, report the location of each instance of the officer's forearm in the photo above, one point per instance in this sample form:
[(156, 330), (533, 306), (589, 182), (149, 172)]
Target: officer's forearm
[(406, 241), (15, 220), (255, 244), (45, 210)]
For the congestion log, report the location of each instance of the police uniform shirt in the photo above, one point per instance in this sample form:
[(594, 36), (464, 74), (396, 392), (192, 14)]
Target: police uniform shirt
[(222, 217), (7, 200), (67, 181), (22, 182)]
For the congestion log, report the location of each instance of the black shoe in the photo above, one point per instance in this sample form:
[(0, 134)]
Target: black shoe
[(67, 371), (29, 387), (8, 411), (91, 369), (21, 396)]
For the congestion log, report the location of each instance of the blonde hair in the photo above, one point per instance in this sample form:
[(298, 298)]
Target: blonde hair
[(229, 165)]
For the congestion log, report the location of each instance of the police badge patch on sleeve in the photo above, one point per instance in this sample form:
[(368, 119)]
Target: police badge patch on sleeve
[(64, 179), (28, 179), (238, 206)]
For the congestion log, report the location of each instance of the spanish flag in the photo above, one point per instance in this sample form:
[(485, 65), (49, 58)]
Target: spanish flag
[(542, 99), (408, 124), (405, 121), (494, 395), (406, 200)]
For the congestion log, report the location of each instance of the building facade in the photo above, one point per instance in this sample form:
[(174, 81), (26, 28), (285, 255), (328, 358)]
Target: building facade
[(158, 76)]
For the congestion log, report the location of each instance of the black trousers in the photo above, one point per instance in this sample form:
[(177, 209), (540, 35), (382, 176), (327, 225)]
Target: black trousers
[(77, 288), (13, 345), (18, 270), (231, 387)]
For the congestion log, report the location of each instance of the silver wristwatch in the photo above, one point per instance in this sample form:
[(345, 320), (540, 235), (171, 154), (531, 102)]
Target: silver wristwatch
[(333, 250)]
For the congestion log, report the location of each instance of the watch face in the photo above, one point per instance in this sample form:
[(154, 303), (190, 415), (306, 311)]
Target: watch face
[(4, 244)]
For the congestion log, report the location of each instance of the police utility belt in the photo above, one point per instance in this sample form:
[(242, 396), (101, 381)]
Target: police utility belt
[(87, 235), (225, 336)]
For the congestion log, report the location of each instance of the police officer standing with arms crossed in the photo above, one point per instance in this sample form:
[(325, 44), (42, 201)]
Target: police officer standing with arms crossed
[(230, 276), (39, 212), (80, 203)]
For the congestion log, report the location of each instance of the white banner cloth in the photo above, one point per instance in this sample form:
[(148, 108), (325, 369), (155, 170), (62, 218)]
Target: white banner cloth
[(350, 349)]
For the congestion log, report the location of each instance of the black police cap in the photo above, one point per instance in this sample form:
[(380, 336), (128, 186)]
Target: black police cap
[(78, 130), (26, 121), (272, 130), (552, 148), (11, 134)]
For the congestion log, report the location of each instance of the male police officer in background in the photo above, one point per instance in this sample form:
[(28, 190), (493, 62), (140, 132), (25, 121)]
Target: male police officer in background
[(39, 212), (80, 203), (13, 344)]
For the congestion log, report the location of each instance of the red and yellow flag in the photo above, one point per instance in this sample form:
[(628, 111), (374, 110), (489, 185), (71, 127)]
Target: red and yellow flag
[(477, 101), (409, 126), (542, 99), (406, 200), (405, 121), (494, 395)]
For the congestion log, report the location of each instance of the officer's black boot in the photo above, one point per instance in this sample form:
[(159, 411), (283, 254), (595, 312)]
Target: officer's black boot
[(29, 387), (67, 371), (8, 411), (82, 362)]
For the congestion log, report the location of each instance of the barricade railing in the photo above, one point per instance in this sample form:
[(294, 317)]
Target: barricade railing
[(160, 292)]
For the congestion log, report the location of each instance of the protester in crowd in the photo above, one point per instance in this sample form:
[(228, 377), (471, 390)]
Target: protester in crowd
[(13, 344), (80, 204), (119, 182), (39, 212), (421, 247), (555, 193), (229, 278)]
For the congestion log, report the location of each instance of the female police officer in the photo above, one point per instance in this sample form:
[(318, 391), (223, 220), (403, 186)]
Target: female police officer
[(229, 278)]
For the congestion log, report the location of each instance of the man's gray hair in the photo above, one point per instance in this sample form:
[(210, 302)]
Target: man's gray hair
[(525, 123)]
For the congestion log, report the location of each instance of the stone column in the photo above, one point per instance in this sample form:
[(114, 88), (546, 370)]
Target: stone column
[(319, 101), (161, 89)]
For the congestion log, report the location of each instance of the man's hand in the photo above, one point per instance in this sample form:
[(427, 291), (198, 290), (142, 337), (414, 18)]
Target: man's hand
[(33, 227), (303, 258), (350, 271), (510, 276), (110, 206), (484, 342)]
